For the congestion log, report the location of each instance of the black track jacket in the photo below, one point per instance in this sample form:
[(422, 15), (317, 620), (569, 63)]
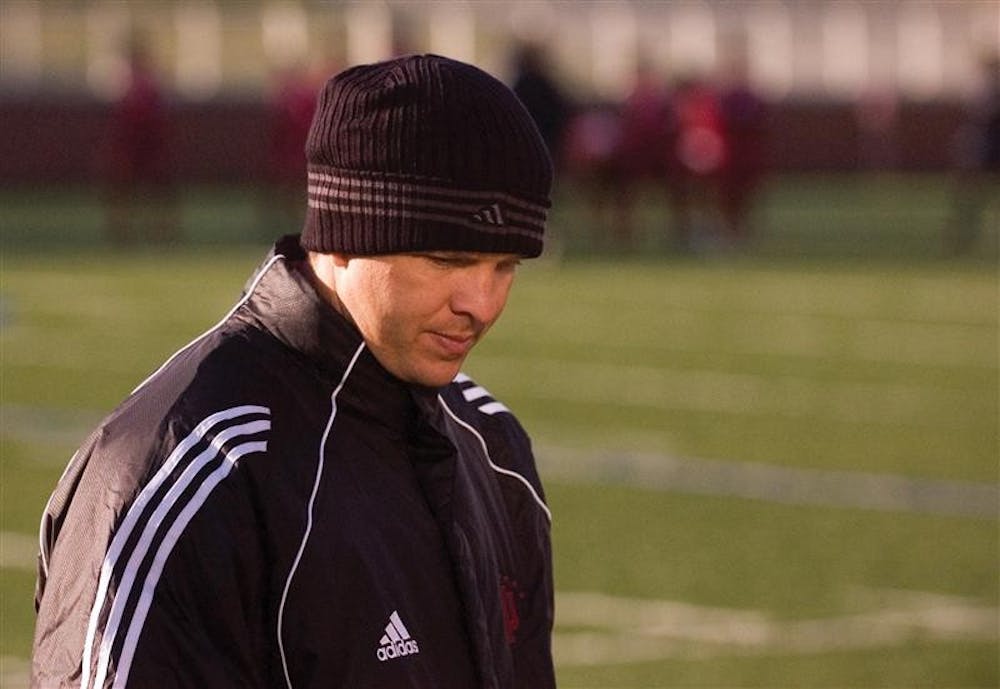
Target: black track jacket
[(273, 509)]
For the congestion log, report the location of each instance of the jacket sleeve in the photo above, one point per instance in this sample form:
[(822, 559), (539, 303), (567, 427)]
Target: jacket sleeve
[(150, 567)]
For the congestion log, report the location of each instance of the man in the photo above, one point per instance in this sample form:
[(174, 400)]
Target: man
[(311, 494)]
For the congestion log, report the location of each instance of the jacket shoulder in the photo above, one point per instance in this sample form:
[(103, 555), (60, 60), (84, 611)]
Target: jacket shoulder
[(477, 406), (506, 440), (212, 384)]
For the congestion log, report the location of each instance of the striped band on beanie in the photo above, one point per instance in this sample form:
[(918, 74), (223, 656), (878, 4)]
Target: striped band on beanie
[(424, 153)]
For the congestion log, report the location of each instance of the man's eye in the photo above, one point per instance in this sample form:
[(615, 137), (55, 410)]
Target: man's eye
[(447, 261)]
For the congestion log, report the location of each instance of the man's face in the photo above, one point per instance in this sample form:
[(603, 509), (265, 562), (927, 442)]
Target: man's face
[(421, 313)]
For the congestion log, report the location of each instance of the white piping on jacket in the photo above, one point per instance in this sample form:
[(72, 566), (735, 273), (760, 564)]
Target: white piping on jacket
[(309, 516), (489, 460)]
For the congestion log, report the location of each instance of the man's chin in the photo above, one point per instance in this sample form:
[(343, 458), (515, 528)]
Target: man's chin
[(436, 376)]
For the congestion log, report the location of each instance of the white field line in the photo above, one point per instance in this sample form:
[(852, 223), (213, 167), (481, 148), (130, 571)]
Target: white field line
[(48, 427), (809, 337), (773, 483), (766, 292), (14, 672), (873, 341), (18, 551), (648, 470), (69, 359), (623, 630), (796, 397), (642, 630)]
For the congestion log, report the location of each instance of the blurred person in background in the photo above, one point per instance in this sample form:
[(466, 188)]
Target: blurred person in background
[(744, 120), (140, 190), (541, 95), (311, 494), (698, 158), (877, 115), (641, 159), (537, 87), (976, 181), (291, 105), (590, 157)]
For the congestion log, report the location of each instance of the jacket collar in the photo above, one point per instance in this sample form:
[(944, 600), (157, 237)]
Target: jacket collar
[(285, 303)]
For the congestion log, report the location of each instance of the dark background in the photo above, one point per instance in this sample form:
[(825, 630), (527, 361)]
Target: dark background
[(58, 140)]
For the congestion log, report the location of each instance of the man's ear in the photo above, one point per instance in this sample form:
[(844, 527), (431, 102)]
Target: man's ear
[(324, 264), (324, 277), (323, 268)]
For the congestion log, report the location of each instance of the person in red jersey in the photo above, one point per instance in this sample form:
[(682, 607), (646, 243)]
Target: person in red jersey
[(646, 122), (745, 121), (697, 157), (138, 169), (291, 106)]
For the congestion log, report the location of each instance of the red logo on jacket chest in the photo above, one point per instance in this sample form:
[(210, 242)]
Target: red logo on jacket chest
[(510, 596)]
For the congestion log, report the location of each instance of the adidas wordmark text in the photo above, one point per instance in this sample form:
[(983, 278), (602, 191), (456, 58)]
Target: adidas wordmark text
[(396, 642)]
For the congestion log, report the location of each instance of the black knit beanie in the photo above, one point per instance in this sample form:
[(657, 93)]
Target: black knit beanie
[(424, 153)]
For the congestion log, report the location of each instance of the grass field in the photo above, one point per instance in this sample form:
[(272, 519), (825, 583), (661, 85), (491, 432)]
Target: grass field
[(772, 468)]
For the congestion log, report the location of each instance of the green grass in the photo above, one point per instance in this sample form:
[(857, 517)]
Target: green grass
[(889, 216), (813, 216), (896, 367), (841, 341), (793, 561), (914, 666)]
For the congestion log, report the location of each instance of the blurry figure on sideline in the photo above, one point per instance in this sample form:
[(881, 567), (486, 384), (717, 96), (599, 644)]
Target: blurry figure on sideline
[(977, 162), (699, 156), (700, 145), (877, 115), (744, 117), (292, 103), (590, 158), (642, 155), (539, 91), (140, 192)]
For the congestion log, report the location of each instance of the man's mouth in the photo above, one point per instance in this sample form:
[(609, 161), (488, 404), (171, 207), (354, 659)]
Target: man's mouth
[(454, 344)]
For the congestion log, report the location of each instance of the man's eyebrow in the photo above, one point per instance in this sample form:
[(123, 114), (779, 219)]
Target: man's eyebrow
[(459, 256), (466, 257)]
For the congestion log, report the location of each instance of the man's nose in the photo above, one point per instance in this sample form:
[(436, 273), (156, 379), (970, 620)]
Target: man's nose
[(481, 293)]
